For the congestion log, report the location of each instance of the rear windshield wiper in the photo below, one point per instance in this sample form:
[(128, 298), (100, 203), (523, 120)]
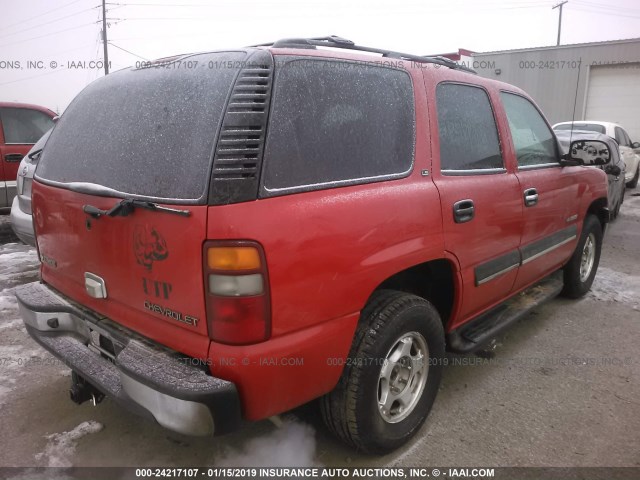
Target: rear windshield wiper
[(127, 206)]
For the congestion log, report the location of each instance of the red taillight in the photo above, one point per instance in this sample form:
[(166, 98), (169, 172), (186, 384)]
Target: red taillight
[(237, 292)]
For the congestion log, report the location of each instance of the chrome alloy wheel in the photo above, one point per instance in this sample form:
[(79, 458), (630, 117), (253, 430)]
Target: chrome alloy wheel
[(588, 257), (403, 377)]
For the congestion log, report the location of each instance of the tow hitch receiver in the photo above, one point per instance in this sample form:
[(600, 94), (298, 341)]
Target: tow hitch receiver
[(81, 391)]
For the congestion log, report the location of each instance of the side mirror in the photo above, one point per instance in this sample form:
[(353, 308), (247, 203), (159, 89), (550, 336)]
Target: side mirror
[(635, 145), (613, 170), (589, 152)]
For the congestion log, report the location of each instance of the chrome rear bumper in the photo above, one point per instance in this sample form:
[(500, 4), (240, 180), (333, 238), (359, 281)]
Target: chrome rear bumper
[(149, 379)]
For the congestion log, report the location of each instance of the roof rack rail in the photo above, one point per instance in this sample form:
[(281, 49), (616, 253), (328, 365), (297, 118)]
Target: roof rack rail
[(339, 42)]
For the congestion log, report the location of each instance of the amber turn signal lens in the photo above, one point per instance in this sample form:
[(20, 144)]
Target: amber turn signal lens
[(233, 258)]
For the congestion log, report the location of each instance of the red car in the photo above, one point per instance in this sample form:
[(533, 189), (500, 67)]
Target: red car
[(21, 126), (229, 235)]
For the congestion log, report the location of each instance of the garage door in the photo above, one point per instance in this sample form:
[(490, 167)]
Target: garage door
[(614, 96)]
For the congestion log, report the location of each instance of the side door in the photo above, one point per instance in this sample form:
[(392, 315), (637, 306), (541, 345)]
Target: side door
[(22, 128), (548, 192), (480, 196)]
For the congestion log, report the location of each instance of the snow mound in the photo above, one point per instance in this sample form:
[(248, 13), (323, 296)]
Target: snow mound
[(62, 446)]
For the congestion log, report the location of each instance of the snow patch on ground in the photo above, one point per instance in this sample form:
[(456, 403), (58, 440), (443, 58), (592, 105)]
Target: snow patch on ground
[(18, 264), (62, 446), (15, 360), (16, 259), (612, 286), (291, 445), (15, 324)]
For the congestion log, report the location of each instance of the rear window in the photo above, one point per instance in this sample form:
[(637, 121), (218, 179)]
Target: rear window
[(337, 123), (148, 132), (588, 127)]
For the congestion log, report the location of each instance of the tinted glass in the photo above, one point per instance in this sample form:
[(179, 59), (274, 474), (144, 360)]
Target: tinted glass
[(532, 138), (622, 137), (148, 132), (467, 129), (589, 127), (23, 125), (334, 121)]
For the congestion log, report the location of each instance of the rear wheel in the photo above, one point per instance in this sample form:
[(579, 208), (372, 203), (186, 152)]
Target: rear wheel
[(616, 210), (583, 265), (392, 375)]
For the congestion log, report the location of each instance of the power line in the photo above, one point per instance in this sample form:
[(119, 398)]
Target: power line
[(601, 12), (47, 35), (125, 50), (608, 7), (41, 14), (46, 23)]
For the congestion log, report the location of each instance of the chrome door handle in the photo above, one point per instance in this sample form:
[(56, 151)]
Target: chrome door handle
[(530, 197), (463, 211)]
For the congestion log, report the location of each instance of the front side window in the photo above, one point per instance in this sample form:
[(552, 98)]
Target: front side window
[(622, 138), (467, 130), (619, 138), (337, 123), (24, 125), (532, 138)]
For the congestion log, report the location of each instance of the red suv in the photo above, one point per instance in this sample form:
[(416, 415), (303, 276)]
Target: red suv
[(229, 235), (21, 126)]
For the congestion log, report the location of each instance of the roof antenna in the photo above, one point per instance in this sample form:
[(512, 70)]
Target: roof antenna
[(575, 100)]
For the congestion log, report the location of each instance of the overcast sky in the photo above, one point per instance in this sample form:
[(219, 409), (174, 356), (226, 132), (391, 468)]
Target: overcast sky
[(54, 33)]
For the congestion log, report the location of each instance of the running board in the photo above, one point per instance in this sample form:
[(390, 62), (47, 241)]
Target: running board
[(476, 333)]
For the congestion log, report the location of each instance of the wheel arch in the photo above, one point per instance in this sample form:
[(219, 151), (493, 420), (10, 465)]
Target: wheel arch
[(433, 280), (599, 208)]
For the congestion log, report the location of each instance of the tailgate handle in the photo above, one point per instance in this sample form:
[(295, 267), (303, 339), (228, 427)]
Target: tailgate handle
[(463, 211), (13, 157)]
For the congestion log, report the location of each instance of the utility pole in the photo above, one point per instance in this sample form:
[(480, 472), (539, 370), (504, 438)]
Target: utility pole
[(104, 38), (559, 18)]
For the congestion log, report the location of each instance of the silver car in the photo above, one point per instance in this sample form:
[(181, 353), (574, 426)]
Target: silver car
[(21, 219), (616, 170)]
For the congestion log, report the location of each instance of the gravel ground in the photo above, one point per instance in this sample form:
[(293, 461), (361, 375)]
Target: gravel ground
[(560, 388)]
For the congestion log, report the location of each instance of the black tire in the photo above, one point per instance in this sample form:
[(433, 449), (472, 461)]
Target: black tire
[(616, 210), (634, 181), (577, 284), (351, 410)]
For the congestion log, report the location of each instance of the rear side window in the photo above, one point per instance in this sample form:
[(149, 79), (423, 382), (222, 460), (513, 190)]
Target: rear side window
[(533, 140), (146, 132), (335, 122), (24, 125), (467, 129)]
